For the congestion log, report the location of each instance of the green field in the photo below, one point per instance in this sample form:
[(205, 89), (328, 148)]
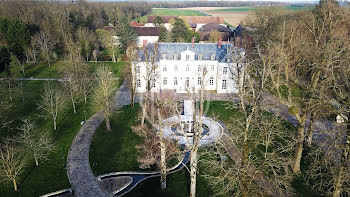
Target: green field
[(175, 12), (51, 174), (169, 12), (248, 9)]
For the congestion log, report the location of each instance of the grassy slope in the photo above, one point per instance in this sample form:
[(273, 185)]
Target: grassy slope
[(51, 175)]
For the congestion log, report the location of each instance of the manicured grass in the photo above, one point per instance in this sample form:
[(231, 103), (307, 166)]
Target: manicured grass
[(42, 70), (175, 12), (50, 175), (115, 151)]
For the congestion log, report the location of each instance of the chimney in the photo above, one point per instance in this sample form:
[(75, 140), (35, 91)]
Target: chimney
[(192, 41), (219, 43), (144, 43)]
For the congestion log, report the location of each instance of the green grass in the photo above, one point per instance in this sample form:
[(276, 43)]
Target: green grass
[(51, 174), (175, 12), (237, 9), (169, 12), (249, 9)]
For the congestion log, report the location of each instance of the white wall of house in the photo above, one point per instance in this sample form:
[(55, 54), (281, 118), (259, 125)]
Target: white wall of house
[(150, 39), (166, 25), (183, 75)]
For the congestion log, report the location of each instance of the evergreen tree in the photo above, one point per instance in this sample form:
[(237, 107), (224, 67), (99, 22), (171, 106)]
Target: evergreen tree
[(162, 34), (179, 30), (158, 21), (17, 37), (4, 59), (126, 34)]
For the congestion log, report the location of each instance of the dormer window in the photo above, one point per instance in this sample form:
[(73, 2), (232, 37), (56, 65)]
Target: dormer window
[(176, 56), (165, 56), (228, 60), (200, 56), (212, 57), (187, 57)]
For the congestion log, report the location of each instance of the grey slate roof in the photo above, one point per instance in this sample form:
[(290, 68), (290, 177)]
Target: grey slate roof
[(206, 49)]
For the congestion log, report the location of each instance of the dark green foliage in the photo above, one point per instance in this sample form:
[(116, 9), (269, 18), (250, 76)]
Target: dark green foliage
[(179, 31), (125, 33), (4, 58), (194, 34), (16, 36), (162, 34), (158, 21)]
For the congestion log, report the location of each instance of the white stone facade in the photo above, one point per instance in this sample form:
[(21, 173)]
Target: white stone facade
[(183, 73)]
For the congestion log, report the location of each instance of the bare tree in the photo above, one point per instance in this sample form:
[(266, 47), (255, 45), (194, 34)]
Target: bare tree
[(132, 70), (108, 42), (87, 40), (156, 149), (12, 162), (51, 103), (151, 58), (73, 73), (46, 45), (37, 144), (104, 90)]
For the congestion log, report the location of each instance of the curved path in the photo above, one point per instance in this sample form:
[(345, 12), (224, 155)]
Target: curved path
[(138, 177), (79, 173)]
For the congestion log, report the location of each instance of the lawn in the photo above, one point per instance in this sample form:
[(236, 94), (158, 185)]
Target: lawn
[(51, 174)]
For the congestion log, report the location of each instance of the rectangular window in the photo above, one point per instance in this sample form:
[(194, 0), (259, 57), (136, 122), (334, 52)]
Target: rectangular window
[(187, 57), (138, 69), (176, 57), (199, 68), (224, 84), (165, 81), (164, 69), (211, 81), (212, 57), (165, 56), (138, 83), (199, 82), (212, 68), (200, 56), (175, 81), (176, 68), (224, 71), (187, 68), (187, 82)]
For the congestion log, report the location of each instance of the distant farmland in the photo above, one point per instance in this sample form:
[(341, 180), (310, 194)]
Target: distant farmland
[(175, 12), (248, 9)]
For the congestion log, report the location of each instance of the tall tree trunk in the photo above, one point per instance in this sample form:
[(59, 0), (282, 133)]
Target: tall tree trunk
[(300, 142), (36, 161), (310, 129), (343, 165), (113, 58), (193, 173), (162, 162), (14, 184), (108, 124), (54, 124)]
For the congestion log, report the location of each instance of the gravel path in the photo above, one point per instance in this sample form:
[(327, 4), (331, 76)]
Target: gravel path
[(79, 173)]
